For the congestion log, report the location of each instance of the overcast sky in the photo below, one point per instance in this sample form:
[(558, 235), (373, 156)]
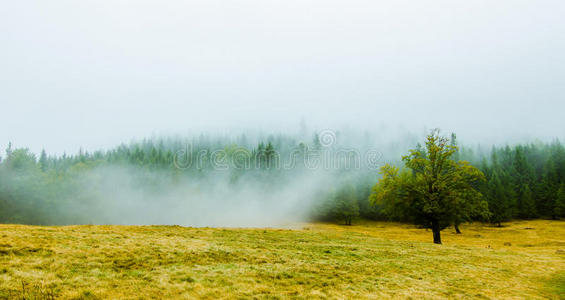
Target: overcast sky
[(97, 73)]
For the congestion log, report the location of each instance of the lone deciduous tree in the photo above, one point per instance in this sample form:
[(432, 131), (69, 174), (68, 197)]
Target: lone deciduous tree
[(346, 205), (433, 189)]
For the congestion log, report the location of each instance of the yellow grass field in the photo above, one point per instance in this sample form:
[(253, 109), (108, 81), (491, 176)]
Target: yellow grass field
[(367, 260)]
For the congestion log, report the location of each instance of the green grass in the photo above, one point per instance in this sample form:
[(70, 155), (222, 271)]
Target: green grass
[(557, 284), (370, 260)]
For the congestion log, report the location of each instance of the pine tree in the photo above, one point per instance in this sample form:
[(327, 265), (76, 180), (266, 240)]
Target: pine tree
[(522, 177), (453, 142), (9, 150), (43, 161), (547, 188), (498, 201), (559, 206), (528, 202), (270, 156), (260, 156)]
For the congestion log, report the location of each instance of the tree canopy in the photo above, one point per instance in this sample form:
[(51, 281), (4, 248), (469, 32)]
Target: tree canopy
[(433, 190)]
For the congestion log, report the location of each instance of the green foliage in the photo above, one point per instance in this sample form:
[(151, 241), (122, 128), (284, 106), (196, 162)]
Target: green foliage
[(342, 203), (498, 200), (56, 189), (529, 178), (21, 160), (346, 206), (527, 204), (436, 191), (559, 207), (392, 193), (523, 181)]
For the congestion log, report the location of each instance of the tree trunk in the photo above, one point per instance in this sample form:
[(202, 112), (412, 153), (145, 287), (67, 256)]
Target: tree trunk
[(457, 229), (436, 231)]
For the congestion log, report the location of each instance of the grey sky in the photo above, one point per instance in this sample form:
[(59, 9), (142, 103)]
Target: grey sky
[(97, 73)]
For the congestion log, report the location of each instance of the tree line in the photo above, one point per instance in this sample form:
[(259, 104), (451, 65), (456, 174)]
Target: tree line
[(523, 181)]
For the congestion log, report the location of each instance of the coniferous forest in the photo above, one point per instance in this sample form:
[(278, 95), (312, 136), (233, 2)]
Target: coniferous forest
[(282, 149), (270, 176)]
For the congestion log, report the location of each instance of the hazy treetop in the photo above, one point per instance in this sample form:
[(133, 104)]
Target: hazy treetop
[(96, 73)]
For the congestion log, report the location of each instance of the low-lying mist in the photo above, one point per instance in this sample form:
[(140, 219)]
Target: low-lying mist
[(126, 195), (205, 180), (217, 180)]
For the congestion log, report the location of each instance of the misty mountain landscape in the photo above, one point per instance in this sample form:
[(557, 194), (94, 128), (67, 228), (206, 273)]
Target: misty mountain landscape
[(282, 149)]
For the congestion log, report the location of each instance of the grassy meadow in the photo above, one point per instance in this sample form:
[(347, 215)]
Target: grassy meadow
[(368, 260)]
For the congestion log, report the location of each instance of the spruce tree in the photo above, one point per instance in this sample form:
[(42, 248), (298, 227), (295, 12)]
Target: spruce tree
[(43, 161), (559, 206), (528, 203), (522, 177), (498, 201)]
